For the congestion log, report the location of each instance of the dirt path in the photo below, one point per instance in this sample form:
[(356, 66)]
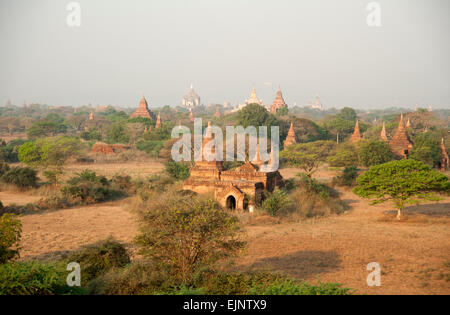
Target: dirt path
[(8, 198)]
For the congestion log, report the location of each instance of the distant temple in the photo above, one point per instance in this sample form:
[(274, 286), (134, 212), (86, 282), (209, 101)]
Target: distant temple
[(356, 136), (217, 113), (253, 98), (278, 103), (290, 139), (191, 115), (143, 110), (445, 161), (158, 121), (240, 188), (317, 104), (91, 116), (383, 132), (400, 143), (191, 99)]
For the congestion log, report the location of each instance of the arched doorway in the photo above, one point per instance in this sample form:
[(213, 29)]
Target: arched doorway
[(231, 203)]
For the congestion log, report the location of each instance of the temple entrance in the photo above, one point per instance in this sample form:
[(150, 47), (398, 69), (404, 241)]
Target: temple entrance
[(231, 203)]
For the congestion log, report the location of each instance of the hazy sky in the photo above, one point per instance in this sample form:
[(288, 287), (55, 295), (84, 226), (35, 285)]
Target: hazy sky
[(224, 47)]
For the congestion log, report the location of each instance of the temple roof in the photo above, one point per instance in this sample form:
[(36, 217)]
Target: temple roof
[(142, 110), (191, 95), (400, 141), (356, 133)]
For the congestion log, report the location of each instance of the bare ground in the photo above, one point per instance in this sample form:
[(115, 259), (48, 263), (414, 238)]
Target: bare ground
[(414, 255)]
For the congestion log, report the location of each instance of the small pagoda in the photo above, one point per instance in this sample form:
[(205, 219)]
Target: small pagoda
[(158, 121), (400, 143), (217, 114), (383, 132), (356, 136), (290, 139)]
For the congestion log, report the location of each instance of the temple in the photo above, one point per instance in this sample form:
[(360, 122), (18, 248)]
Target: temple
[(383, 132), (240, 188), (400, 143), (143, 110), (444, 163), (191, 115), (91, 116), (158, 121), (356, 136), (191, 99), (253, 98), (217, 113), (290, 139), (278, 103)]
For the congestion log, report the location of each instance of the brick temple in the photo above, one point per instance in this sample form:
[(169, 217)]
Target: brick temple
[(290, 139), (400, 143), (143, 110), (356, 136), (278, 103), (240, 188)]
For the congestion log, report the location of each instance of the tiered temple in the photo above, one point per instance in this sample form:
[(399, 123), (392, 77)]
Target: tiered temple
[(253, 98), (191, 99), (356, 136), (278, 103), (290, 139), (142, 110), (400, 143), (239, 188)]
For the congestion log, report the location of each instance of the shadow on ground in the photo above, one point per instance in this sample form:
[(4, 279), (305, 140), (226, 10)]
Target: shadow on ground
[(432, 210), (301, 264)]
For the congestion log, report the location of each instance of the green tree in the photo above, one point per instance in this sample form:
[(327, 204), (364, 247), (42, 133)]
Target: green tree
[(403, 182), (345, 155), (186, 233), (256, 115), (374, 152), (347, 113), (307, 156), (118, 134), (427, 148), (50, 125), (50, 154), (10, 233)]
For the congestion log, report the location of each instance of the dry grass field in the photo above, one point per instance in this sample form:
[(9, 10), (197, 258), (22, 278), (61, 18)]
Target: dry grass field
[(414, 254)]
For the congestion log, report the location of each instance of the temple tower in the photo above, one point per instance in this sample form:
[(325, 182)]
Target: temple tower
[(400, 143), (278, 103), (91, 116), (217, 113), (253, 98), (142, 110), (290, 139), (158, 121), (356, 136), (383, 132)]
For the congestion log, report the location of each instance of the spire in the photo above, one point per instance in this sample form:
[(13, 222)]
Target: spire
[(191, 115), (290, 139), (356, 136), (445, 160), (91, 116), (217, 113), (158, 121), (278, 102), (408, 124), (257, 159), (400, 143), (142, 110), (383, 132)]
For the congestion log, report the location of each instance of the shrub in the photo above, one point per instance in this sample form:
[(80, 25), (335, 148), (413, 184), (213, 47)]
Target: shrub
[(184, 233), (4, 167), (89, 187), (347, 178), (276, 203), (21, 177), (147, 188), (34, 278), (178, 170), (98, 258), (10, 233), (374, 153), (151, 147), (314, 199), (290, 287)]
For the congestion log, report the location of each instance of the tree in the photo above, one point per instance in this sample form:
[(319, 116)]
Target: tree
[(256, 115), (345, 156), (50, 154), (117, 134), (403, 182), (347, 113), (427, 148), (10, 233), (45, 128), (374, 152), (182, 234), (307, 156)]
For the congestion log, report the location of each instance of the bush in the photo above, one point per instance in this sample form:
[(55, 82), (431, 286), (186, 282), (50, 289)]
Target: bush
[(314, 199), (184, 233), (276, 203), (89, 188), (21, 177), (290, 287), (374, 153), (345, 156), (347, 178), (151, 147), (10, 233), (98, 258), (178, 170), (34, 278), (4, 167), (155, 184)]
